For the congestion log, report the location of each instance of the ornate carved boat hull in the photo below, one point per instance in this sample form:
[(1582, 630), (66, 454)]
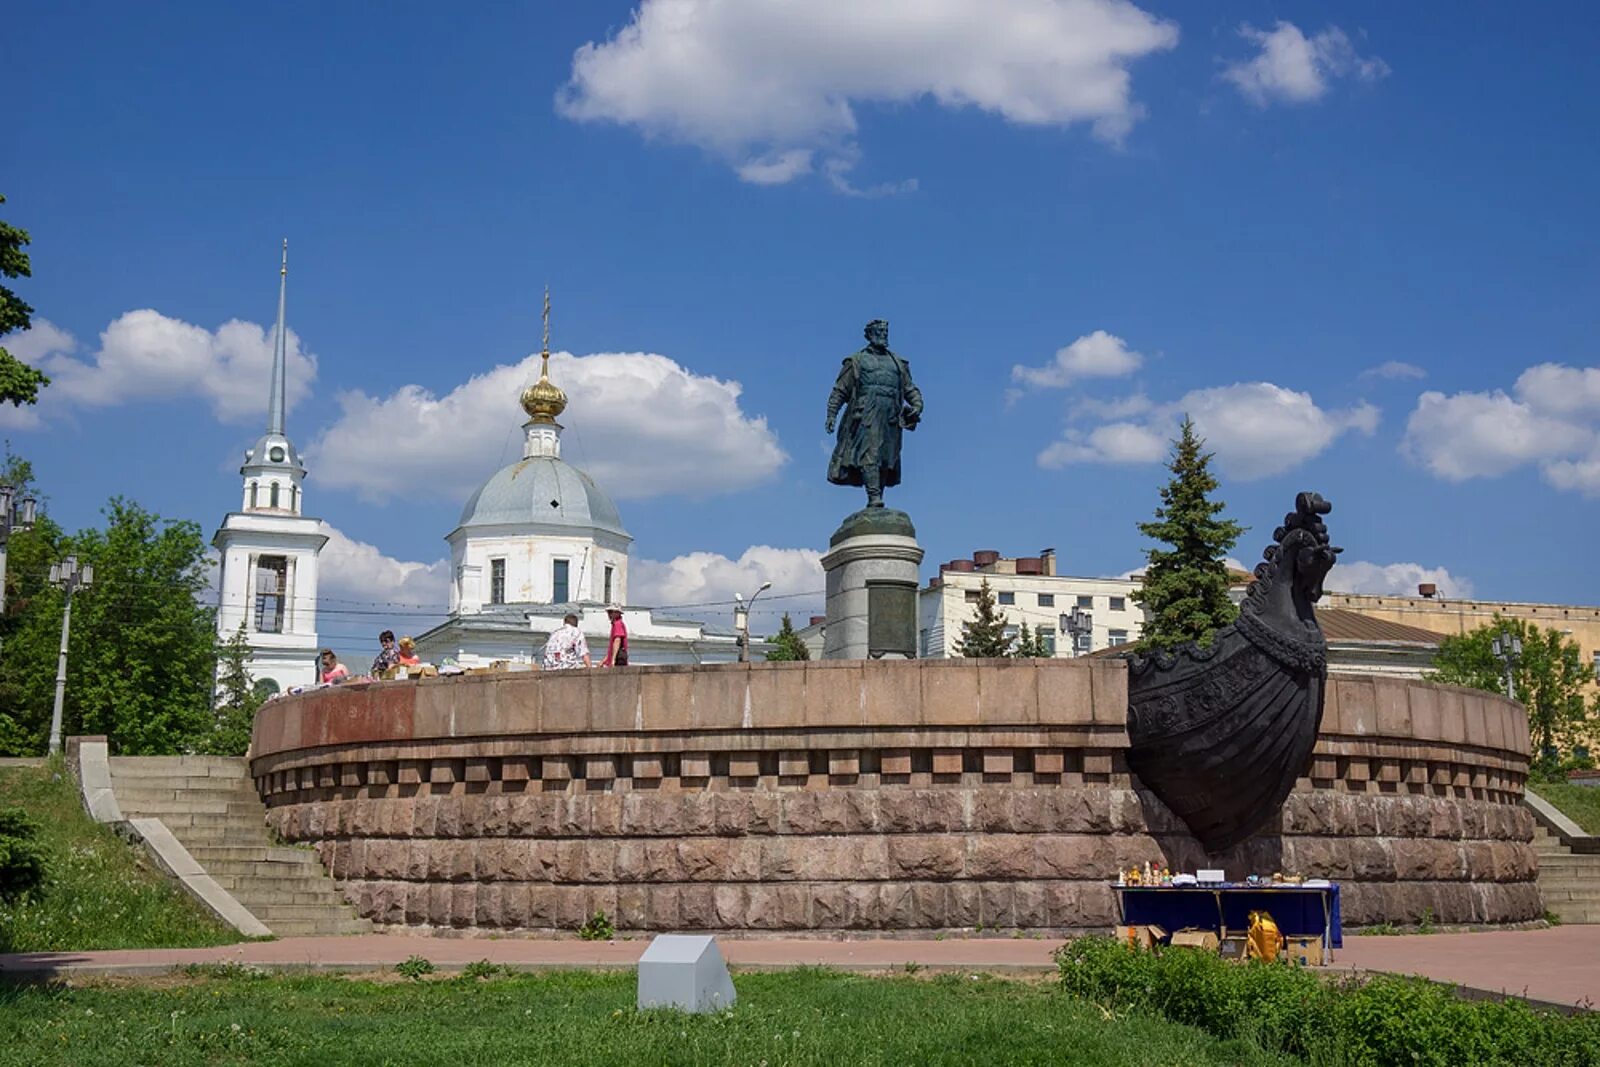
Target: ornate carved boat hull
[(1220, 733)]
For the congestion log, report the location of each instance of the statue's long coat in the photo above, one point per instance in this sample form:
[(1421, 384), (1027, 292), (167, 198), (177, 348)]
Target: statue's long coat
[(877, 388)]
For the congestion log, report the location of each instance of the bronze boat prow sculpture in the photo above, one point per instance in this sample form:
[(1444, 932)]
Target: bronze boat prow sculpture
[(1221, 733)]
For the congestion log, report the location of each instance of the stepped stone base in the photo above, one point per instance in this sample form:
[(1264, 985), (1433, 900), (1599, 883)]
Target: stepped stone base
[(1570, 883)]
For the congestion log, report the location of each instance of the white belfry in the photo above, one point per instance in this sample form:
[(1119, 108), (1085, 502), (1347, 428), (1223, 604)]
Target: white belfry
[(268, 577)]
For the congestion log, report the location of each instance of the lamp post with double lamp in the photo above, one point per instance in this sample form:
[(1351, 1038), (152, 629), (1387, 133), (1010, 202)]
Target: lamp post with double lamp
[(741, 619), (16, 514), (70, 577), (1507, 648), (1078, 623)]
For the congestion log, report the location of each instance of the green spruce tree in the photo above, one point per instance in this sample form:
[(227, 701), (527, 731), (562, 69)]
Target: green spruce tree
[(1185, 591), (237, 699), (786, 644), (19, 383), (984, 635), (1030, 644)]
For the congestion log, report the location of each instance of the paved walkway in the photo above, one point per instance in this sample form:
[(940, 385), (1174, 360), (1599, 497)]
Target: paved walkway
[(1556, 966)]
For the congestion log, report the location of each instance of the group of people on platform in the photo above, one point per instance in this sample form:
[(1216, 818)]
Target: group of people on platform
[(566, 649)]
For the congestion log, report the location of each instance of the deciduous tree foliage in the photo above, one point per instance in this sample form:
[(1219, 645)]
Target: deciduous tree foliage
[(19, 383), (1551, 680), (984, 635), (143, 649), (786, 644), (1185, 588), (237, 699)]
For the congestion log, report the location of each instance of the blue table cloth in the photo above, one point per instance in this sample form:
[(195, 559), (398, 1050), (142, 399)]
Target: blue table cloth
[(1297, 909)]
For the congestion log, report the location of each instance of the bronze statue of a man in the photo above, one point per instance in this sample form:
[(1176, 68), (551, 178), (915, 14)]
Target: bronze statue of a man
[(880, 400)]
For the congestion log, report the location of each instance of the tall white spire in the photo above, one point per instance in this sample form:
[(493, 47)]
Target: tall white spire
[(275, 403)]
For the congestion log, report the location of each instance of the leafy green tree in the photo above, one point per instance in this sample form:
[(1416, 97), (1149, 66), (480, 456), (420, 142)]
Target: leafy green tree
[(142, 656), (22, 862), (1550, 679), (1185, 590), (238, 699), (984, 635), (19, 383), (786, 645)]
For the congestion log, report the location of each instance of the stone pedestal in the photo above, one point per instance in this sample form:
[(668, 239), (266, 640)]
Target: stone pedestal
[(872, 579)]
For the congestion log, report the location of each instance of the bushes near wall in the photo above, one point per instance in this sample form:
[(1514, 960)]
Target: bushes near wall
[(1357, 1021)]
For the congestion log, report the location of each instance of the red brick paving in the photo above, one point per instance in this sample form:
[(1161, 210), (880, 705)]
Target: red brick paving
[(1559, 965)]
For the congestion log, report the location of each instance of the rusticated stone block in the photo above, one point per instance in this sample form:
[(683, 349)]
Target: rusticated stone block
[(1000, 856), (947, 761), (1072, 856), (996, 904), (663, 907), (514, 906), (447, 818), (1128, 812), (439, 895), (487, 908), (1370, 860), (1083, 810), (544, 907), (992, 811), (963, 904), (837, 811), (925, 856), (1317, 857), (908, 811), (1028, 907)]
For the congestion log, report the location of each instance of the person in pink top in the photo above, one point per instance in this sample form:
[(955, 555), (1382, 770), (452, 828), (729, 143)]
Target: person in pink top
[(333, 672), (617, 646)]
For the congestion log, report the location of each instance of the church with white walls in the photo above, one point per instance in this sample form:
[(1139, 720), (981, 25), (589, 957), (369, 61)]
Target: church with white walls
[(269, 548), (540, 539)]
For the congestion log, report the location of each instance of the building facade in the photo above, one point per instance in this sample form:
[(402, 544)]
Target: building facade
[(1073, 615), (541, 539), (268, 549)]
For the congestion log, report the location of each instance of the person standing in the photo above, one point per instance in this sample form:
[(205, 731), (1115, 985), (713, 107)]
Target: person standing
[(617, 644), (406, 653), (333, 672), (566, 649)]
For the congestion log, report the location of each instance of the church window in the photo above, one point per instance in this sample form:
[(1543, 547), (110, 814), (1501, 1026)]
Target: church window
[(254, 488), (274, 498), (497, 581), (272, 580), (560, 591), (607, 596)]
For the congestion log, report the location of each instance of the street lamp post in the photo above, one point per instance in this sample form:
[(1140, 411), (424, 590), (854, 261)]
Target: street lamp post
[(741, 619), (1079, 622), (16, 513), (70, 577), (1507, 648)]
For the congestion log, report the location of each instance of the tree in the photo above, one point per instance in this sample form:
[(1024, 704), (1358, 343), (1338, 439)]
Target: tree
[(1030, 645), (984, 635), (1185, 590), (1551, 680), (19, 383), (238, 698), (143, 649), (786, 644)]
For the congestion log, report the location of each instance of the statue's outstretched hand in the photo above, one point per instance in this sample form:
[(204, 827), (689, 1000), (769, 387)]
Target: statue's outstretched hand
[(828, 427)]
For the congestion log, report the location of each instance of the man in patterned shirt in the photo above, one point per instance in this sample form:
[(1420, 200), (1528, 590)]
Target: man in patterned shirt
[(566, 649), (388, 657)]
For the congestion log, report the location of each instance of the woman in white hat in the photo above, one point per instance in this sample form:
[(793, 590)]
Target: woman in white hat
[(617, 646)]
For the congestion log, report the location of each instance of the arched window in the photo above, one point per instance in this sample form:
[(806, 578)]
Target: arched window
[(274, 497), (265, 687), (253, 488)]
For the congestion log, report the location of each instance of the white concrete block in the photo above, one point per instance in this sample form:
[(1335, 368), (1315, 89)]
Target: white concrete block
[(684, 972)]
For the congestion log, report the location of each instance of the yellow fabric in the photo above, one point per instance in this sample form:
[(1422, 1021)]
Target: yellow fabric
[(1264, 942)]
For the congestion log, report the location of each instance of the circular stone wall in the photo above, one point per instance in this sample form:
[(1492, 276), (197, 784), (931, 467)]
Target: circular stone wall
[(890, 796)]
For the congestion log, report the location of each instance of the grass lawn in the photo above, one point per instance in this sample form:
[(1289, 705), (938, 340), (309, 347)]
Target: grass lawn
[(1580, 803), (100, 892), (792, 1017)]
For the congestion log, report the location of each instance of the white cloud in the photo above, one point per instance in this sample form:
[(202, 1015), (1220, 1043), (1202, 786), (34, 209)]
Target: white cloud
[(1394, 369), (685, 582), (1256, 429), (640, 424), (1359, 576), (1290, 66), (1478, 435), (145, 355), (1094, 355), (355, 571), (1555, 389), (772, 86)]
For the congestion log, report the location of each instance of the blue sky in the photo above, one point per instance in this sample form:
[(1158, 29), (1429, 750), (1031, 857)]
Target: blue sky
[(1358, 241)]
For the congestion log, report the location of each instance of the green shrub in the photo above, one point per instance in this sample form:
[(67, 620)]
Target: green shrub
[(21, 855), (414, 967), (598, 928), (1366, 1022)]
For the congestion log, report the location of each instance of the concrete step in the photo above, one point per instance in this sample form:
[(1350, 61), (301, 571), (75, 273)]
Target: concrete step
[(1573, 882), (331, 928), (269, 911), (213, 819), (1576, 894), (1575, 913), (259, 853), (245, 870), (261, 905), (240, 836), (278, 876), (174, 767)]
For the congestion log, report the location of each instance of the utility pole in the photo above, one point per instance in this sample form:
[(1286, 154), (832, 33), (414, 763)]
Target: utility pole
[(741, 619), (70, 578), (15, 514)]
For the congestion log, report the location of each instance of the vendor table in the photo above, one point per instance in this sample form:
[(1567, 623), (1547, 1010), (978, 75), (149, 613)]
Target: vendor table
[(1299, 910)]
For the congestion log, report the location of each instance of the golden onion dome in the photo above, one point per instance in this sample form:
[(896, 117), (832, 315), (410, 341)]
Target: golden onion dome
[(542, 400)]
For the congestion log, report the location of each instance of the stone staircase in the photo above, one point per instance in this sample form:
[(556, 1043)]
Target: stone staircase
[(211, 807), (1569, 881)]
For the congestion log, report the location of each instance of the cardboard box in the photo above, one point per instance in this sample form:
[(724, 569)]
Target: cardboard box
[(1193, 938), (1141, 936), (1232, 947), (1306, 951)]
